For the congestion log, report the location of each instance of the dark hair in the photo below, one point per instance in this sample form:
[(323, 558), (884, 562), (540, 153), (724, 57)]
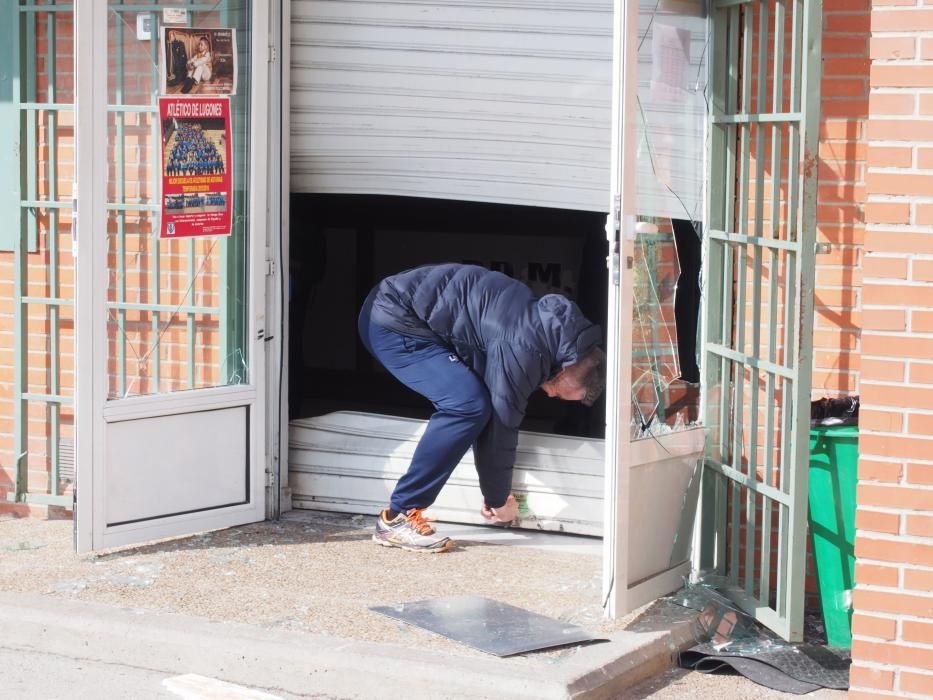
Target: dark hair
[(594, 381)]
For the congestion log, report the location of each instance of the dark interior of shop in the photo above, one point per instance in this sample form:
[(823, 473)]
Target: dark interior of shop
[(341, 245)]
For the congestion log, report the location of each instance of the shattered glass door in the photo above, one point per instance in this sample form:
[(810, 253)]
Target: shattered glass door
[(670, 115)]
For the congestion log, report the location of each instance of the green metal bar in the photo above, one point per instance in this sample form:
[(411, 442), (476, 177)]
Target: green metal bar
[(767, 118), (121, 216), (711, 536), (750, 525), (133, 207), (155, 245), (806, 271), (164, 308), (42, 499), (48, 398), (32, 136), (790, 294), (133, 109), (54, 290), (43, 204), (35, 8), (759, 241), (52, 301), (50, 106), (190, 318), (722, 4), (749, 360), (738, 369), (20, 320), (749, 482), (11, 129), (777, 105), (732, 84)]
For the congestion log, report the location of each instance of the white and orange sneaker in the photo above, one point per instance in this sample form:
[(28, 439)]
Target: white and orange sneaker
[(410, 531)]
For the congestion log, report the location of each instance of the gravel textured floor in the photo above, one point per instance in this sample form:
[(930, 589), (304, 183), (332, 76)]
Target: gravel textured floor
[(314, 575)]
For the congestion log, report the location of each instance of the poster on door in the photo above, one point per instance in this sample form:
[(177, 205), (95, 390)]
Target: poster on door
[(198, 61), (196, 166)]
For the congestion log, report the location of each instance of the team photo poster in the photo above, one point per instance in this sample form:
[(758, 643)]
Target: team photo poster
[(196, 167), (199, 62)]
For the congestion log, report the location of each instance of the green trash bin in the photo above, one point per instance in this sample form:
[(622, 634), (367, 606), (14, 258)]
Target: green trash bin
[(833, 477)]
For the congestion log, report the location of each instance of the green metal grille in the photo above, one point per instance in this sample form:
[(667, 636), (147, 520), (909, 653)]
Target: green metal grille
[(38, 113), (759, 261)]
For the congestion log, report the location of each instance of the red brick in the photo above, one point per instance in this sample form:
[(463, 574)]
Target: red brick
[(875, 575), (918, 580), (895, 551), (913, 631), (892, 47), (887, 267), (876, 521), (909, 130), (866, 695), (887, 212), (923, 214), (920, 424), (884, 422), (921, 474), (899, 184), (897, 445), (893, 654), (863, 677), (884, 319), (883, 370), (922, 271), (916, 683), (897, 346), (921, 321), (886, 103), (874, 470), (920, 525), (901, 21), (899, 242), (921, 373), (854, 23), (890, 156)]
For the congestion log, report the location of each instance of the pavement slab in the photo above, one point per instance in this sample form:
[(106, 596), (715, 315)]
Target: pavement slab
[(276, 605)]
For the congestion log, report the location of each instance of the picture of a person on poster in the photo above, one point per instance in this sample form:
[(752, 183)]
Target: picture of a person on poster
[(199, 66)]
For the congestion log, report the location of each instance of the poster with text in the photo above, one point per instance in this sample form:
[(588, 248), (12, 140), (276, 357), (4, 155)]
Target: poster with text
[(196, 167), (198, 61)]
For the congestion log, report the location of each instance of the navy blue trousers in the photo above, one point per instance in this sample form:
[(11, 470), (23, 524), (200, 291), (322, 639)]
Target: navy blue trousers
[(461, 402)]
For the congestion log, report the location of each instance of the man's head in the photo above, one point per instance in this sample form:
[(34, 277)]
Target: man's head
[(582, 381)]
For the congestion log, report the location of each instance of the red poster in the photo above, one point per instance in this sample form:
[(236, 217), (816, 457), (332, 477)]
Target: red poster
[(196, 167)]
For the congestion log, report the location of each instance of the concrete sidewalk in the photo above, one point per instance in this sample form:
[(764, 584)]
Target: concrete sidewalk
[(284, 606), (302, 664)]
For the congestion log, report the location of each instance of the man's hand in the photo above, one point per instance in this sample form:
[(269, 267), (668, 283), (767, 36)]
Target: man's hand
[(506, 514)]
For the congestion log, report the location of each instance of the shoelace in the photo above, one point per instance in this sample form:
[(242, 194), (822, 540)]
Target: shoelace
[(415, 518)]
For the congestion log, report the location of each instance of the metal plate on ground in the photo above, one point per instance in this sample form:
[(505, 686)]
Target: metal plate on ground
[(487, 625)]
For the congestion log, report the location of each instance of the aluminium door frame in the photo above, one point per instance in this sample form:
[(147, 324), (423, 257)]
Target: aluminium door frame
[(92, 410), (623, 454)]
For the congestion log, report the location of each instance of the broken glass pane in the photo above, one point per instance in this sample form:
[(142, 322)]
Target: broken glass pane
[(670, 174)]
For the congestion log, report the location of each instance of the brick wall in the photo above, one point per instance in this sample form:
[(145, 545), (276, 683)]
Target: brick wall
[(893, 621), (840, 222)]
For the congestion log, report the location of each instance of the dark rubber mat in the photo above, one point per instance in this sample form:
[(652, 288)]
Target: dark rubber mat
[(802, 666)]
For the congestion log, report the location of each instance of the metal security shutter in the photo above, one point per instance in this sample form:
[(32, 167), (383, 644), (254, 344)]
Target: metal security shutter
[(496, 101)]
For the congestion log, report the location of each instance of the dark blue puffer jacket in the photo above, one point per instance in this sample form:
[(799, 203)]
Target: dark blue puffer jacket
[(510, 338)]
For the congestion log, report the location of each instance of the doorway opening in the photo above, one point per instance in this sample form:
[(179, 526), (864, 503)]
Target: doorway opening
[(342, 245)]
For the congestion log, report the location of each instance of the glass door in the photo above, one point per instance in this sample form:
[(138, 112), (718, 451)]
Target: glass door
[(170, 235), (654, 440)]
